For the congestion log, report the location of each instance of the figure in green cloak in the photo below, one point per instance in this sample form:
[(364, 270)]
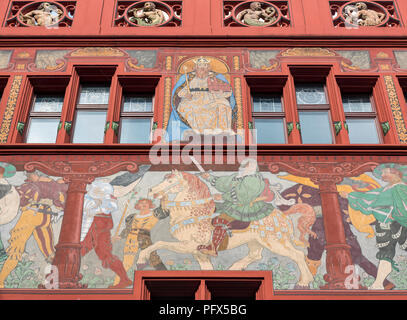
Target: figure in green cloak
[(389, 206)]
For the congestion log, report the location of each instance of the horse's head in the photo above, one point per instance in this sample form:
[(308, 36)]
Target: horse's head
[(173, 182)]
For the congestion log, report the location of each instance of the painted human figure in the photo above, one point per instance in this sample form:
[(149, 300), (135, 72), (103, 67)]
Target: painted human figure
[(245, 199), (149, 15), (138, 237), (257, 16), (41, 202), (45, 15), (97, 223), (389, 207), (307, 194), (202, 102), (9, 200)]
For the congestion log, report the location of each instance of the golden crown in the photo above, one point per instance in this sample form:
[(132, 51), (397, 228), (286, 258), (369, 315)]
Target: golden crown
[(201, 61)]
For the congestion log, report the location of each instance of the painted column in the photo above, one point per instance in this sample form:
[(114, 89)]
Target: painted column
[(67, 256), (327, 175), (338, 255)]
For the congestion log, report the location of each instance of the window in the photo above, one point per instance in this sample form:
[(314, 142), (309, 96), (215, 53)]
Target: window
[(91, 112), (136, 118), (313, 113), (268, 118), (135, 115), (360, 118), (44, 118), (203, 285)]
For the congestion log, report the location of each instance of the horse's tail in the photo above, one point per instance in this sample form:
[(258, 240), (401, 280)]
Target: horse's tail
[(306, 220)]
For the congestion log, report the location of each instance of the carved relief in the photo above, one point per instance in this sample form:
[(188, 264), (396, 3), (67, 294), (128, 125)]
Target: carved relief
[(356, 14), (41, 14), (148, 14), (256, 13)]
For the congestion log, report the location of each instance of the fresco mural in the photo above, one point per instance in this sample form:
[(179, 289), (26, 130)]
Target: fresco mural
[(202, 99), (248, 219)]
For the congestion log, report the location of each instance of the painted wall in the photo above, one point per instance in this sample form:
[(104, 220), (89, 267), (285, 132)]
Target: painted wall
[(154, 219)]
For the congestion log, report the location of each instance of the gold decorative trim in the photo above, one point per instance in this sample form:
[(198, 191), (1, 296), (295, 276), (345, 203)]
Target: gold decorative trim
[(396, 109), (58, 66), (236, 63), (384, 67), (134, 66), (23, 55), (97, 52), (10, 108), (167, 101), (308, 52), (238, 97), (344, 64), (382, 55), (168, 63), (271, 67)]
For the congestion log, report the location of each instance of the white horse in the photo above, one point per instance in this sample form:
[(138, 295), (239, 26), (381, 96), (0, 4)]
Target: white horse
[(190, 215)]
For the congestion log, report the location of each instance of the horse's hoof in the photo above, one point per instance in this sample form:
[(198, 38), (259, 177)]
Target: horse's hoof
[(141, 266)]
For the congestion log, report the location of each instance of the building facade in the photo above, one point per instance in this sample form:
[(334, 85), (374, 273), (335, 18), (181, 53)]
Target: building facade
[(222, 146)]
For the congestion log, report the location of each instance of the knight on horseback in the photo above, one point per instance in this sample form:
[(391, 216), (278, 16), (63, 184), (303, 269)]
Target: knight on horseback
[(246, 197)]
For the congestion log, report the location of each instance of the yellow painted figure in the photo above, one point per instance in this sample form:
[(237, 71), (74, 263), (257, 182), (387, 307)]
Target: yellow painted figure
[(41, 201), (137, 234)]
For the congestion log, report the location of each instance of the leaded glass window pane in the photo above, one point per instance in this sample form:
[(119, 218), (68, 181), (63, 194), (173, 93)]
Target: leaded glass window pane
[(48, 103), (315, 127), (137, 104), (93, 94), (310, 94), (356, 103), (269, 130), (135, 130), (267, 103), (42, 130), (89, 126)]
